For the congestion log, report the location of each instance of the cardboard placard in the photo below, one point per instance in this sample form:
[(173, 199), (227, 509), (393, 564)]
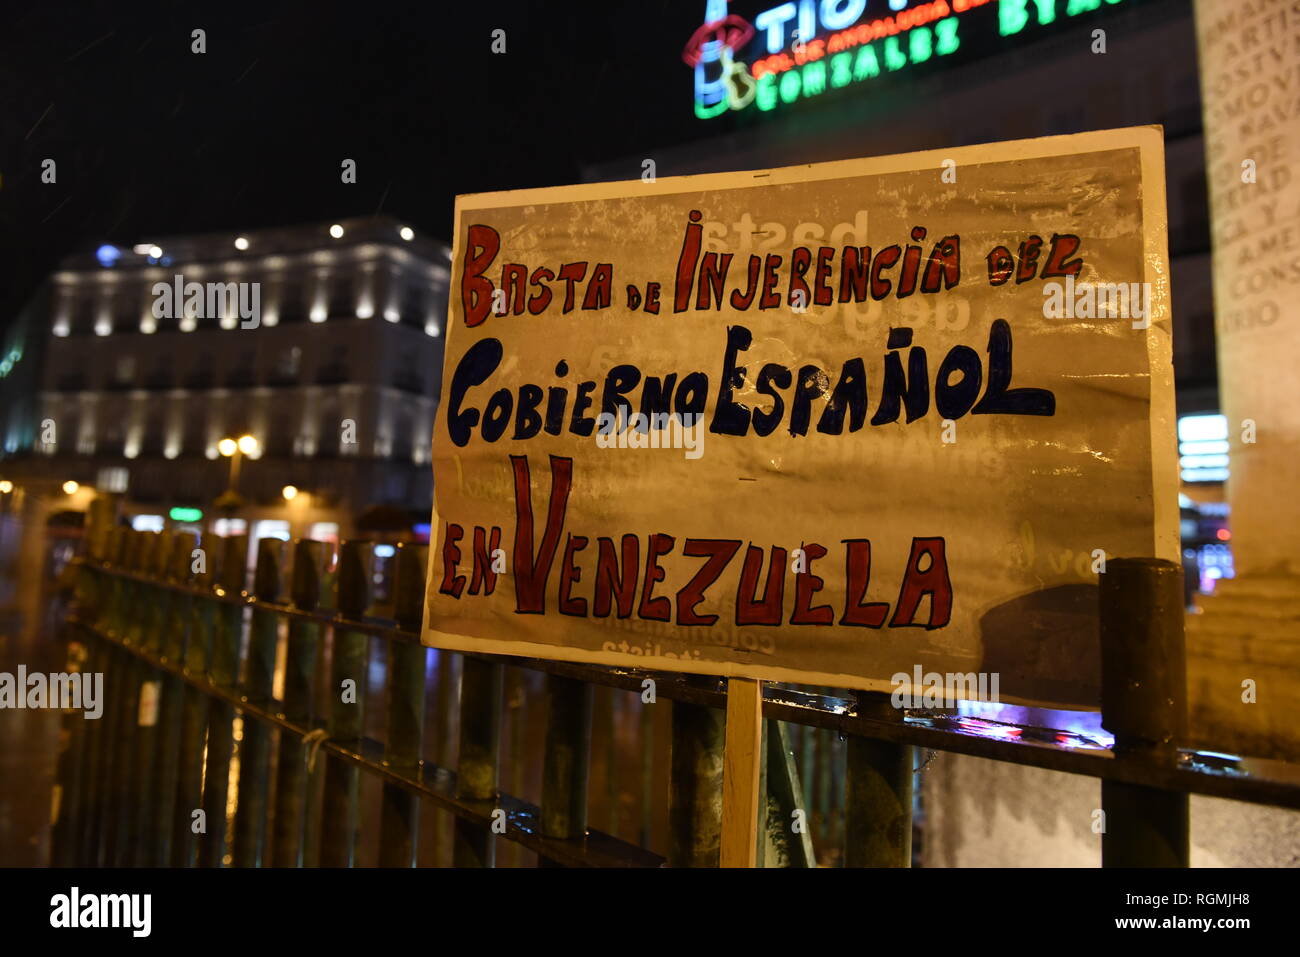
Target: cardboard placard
[(897, 414)]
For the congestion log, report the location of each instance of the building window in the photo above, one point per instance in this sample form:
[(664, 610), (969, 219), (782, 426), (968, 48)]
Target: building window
[(113, 433), (126, 307), (240, 375), (293, 307), (402, 436), (112, 479), (287, 368), (279, 439), (413, 309), (341, 296), (83, 315), (124, 372), (408, 377), (160, 376), (151, 441), (335, 370), (328, 431), (201, 376)]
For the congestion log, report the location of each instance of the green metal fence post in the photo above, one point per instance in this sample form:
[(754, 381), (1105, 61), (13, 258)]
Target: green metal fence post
[(74, 781), (259, 689), (340, 814), (128, 789), (92, 596), (65, 809), (101, 841), (194, 711), (121, 544), (137, 613), (481, 688), (568, 759), (326, 601), (782, 845), (1144, 704), (155, 601), (288, 829), (224, 672), (878, 802), (695, 781), (94, 612), (446, 714), (404, 736), (166, 764)]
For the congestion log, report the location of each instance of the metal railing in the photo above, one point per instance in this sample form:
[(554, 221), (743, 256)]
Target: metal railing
[(211, 684)]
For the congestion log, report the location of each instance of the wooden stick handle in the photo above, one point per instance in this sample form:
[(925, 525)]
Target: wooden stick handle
[(740, 773)]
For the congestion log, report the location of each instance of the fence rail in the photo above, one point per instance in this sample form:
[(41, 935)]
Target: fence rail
[(211, 684)]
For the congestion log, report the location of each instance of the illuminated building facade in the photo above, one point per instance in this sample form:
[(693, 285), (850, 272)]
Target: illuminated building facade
[(323, 343), (21, 345)]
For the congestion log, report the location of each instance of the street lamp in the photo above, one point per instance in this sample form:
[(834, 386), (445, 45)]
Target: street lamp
[(290, 492), (235, 450), (70, 487), (6, 486)]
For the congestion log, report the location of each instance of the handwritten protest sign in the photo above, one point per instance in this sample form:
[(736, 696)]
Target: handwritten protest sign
[(827, 424)]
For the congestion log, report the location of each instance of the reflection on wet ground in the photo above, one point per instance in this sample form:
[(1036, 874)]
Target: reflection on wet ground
[(29, 748)]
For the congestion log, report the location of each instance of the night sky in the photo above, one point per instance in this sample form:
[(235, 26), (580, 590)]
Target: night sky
[(152, 140)]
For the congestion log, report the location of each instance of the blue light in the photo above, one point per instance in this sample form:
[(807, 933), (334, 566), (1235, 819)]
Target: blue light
[(772, 22), (108, 255), (847, 14), (385, 551)]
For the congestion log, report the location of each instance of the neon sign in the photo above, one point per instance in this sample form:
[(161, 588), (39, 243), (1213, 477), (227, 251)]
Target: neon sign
[(801, 48)]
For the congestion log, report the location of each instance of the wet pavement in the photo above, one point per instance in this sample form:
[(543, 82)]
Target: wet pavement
[(29, 748)]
